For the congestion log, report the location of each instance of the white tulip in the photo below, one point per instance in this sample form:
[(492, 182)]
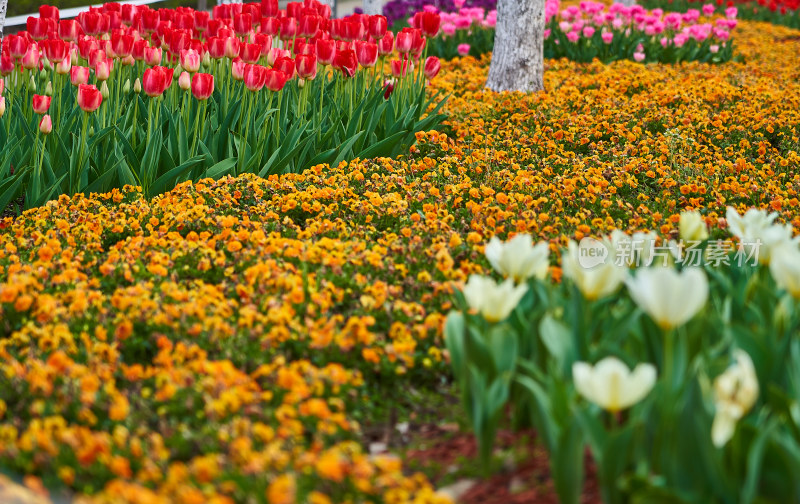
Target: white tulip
[(785, 268), (594, 282), (518, 258), (735, 392), (758, 232), (611, 385), (492, 300), (670, 298), (636, 250), (692, 227)]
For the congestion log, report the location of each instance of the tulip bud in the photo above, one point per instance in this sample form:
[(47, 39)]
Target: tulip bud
[(104, 90), (301, 83), (91, 131), (126, 88), (43, 74), (46, 125), (2, 105), (137, 86), (47, 65), (48, 89), (185, 81), (31, 85), (206, 60)]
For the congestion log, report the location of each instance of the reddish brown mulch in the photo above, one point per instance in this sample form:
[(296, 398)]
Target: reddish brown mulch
[(525, 481)]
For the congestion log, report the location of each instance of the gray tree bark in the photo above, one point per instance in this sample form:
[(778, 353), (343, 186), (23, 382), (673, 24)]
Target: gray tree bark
[(517, 57), (627, 3), (3, 10), (373, 7)]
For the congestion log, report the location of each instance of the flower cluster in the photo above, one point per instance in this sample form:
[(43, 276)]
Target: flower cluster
[(782, 12), (251, 88)]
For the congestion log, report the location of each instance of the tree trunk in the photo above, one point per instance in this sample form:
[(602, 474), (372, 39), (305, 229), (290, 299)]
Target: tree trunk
[(373, 7), (627, 3), (3, 10), (517, 57)]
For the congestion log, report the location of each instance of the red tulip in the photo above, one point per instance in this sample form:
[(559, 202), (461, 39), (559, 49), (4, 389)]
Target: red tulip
[(353, 31), (37, 28), (285, 65), (128, 13), (386, 44), (366, 53), (154, 81), (201, 19), (139, 48), (95, 56), (275, 80), (346, 62), (264, 41), (150, 20), (202, 86), (288, 28), (69, 29), (269, 8), (432, 67), (405, 39), (242, 24), (190, 60), (49, 12), (40, 103), (306, 66), (270, 25), (78, 75), (179, 40), (378, 26), (46, 125), (326, 51), (89, 97), (255, 76), (309, 26), (121, 44), (91, 22), (6, 64), (250, 53), (216, 47), (389, 84), (55, 50), (428, 22), (400, 68), (17, 46)]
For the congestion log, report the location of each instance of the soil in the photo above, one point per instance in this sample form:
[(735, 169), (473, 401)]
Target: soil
[(525, 479)]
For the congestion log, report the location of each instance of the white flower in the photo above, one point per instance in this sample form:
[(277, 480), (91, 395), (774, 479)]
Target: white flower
[(692, 227), (735, 392), (669, 297), (594, 282), (785, 268), (611, 385), (758, 232), (637, 250), (492, 300), (518, 258)]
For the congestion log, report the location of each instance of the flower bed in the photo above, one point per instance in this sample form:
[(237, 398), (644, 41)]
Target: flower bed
[(132, 95), (779, 12), (287, 311), (592, 30)]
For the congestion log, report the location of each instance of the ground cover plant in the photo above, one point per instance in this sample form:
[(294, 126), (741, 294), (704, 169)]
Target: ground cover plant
[(232, 340), (780, 12), (592, 30), (132, 95)]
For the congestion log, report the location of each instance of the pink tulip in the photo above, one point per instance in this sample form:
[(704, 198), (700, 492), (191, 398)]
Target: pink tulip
[(31, 58), (40, 103), (89, 97), (185, 81), (463, 49), (46, 125), (190, 60)]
